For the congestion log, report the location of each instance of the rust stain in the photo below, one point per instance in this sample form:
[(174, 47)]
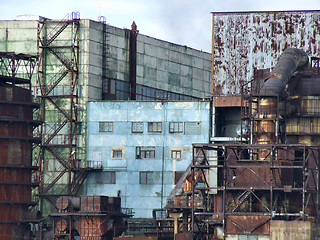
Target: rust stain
[(255, 40)]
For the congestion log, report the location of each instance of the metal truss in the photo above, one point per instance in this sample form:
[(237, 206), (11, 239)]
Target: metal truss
[(61, 172)]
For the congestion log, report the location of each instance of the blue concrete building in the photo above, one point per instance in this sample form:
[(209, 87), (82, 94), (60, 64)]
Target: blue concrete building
[(143, 148)]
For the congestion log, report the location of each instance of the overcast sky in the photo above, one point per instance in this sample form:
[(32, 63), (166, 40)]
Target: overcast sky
[(185, 22)]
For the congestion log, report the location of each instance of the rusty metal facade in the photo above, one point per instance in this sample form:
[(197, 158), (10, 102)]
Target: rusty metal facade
[(16, 143), (246, 41)]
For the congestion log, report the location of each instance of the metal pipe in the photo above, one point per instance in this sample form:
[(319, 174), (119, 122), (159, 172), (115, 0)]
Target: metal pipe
[(133, 60), (289, 62)]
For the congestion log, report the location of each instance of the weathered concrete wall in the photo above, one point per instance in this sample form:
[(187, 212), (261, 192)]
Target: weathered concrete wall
[(128, 168), (246, 40)]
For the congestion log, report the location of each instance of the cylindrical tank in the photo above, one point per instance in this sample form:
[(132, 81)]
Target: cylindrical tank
[(16, 127), (67, 203)]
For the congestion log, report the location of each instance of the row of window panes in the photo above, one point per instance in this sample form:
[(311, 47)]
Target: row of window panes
[(120, 90), (138, 127), (146, 153), (145, 177)]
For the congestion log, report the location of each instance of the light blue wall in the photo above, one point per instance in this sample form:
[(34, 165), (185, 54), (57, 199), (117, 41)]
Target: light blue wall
[(142, 198)]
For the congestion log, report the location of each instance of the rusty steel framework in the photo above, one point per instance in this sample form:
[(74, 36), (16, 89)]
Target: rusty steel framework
[(273, 173), (250, 193), (58, 86), (16, 140)]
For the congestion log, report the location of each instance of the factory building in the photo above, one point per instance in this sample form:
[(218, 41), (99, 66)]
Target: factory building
[(83, 60), (251, 173), (143, 148)]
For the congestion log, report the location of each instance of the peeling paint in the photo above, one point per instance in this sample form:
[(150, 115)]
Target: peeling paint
[(255, 40)]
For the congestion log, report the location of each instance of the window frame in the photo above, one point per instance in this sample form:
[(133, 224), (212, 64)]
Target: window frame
[(113, 151), (146, 177), (175, 151), (103, 128), (176, 127), (155, 127), (145, 152), (134, 128)]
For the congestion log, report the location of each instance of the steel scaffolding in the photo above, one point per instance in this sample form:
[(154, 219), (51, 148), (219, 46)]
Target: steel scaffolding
[(61, 170)]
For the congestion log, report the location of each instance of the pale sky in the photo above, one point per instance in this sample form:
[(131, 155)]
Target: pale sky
[(185, 22)]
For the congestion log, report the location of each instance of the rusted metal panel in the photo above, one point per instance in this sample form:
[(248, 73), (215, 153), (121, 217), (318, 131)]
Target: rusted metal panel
[(95, 227), (183, 236), (248, 223), (245, 41), (100, 203), (227, 101), (16, 127)]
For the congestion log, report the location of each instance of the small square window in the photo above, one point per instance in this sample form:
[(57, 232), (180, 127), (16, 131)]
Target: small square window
[(176, 127), (137, 127), (175, 154), (117, 154), (105, 126), (154, 127)]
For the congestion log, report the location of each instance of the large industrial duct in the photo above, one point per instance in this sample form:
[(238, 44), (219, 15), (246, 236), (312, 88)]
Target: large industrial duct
[(290, 61)]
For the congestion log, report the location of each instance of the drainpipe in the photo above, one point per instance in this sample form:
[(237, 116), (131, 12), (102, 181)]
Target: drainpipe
[(133, 60)]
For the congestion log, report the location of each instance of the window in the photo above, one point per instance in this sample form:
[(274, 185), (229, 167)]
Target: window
[(175, 154), (145, 152), (137, 127), (154, 127), (117, 154), (176, 127), (105, 126), (150, 177), (106, 177)]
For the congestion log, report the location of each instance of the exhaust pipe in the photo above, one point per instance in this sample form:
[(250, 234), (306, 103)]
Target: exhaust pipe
[(290, 61)]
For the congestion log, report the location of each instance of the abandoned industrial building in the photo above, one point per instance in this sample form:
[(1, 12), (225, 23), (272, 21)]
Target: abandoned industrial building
[(110, 134)]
